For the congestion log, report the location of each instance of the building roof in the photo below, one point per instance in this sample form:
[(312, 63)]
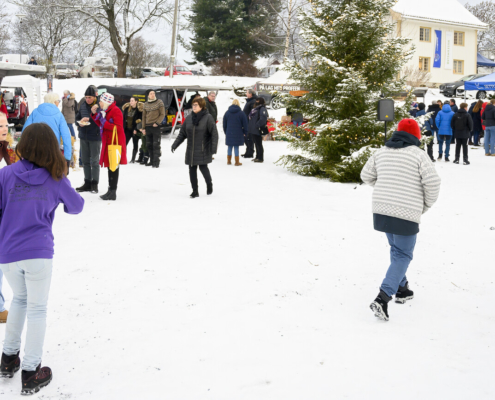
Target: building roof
[(442, 11)]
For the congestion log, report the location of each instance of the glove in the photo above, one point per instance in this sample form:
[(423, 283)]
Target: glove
[(173, 149), (68, 166), (103, 114)]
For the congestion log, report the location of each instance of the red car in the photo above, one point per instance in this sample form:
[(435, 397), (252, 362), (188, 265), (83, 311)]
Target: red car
[(179, 70)]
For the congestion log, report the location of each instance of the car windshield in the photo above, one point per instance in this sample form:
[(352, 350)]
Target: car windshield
[(468, 78), (182, 69), (62, 66)]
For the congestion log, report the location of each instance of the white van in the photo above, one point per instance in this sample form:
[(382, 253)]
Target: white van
[(97, 67), (14, 58)]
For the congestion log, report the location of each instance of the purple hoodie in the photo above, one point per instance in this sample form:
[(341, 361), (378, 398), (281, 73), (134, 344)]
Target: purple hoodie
[(29, 197)]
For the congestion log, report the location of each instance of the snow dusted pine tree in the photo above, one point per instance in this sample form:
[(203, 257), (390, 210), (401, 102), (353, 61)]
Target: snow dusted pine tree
[(356, 58)]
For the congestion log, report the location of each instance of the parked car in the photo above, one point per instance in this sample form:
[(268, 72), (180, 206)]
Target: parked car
[(74, 68), (17, 105), (450, 89), (179, 70), (97, 67), (148, 73), (198, 73), (62, 71)]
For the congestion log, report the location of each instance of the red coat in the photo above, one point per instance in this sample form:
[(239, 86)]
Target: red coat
[(112, 113)]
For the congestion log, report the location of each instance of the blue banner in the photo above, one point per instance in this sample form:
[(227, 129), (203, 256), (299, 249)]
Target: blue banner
[(437, 61)]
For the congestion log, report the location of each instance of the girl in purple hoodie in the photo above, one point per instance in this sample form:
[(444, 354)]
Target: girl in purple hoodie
[(30, 192)]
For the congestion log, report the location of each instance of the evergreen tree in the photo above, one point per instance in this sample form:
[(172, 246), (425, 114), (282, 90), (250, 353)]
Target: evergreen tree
[(228, 29), (356, 59)]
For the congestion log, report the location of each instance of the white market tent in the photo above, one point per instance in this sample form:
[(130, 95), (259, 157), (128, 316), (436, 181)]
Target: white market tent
[(30, 85), (441, 11)]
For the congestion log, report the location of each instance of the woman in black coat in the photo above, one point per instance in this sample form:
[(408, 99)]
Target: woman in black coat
[(200, 130), (462, 126), (133, 113), (475, 112), (258, 119)]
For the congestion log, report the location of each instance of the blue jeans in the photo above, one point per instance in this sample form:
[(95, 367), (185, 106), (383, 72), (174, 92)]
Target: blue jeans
[(490, 140), (401, 254), (236, 151), (71, 129), (2, 299), (297, 123), (30, 282), (447, 139)]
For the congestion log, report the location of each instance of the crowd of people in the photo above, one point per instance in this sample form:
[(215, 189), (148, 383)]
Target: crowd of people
[(461, 126)]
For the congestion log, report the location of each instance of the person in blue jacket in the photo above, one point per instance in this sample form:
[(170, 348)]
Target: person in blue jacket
[(50, 114), (443, 120), (235, 127)]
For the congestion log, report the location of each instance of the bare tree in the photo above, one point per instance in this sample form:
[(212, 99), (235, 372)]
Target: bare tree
[(485, 12), (123, 19), (45, 31), (415, 77), (4, 27)]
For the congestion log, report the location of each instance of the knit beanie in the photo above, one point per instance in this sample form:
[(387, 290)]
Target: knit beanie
[(91, 91), (107, 98), (410, 126)]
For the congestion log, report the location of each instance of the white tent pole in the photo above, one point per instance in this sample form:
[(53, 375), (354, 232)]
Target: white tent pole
[(179, 112)]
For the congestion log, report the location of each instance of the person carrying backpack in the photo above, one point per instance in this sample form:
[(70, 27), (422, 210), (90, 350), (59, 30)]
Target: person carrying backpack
[(258, 119), (462, 125), (30, 192)]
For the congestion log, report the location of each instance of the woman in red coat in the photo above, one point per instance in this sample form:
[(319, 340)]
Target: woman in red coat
[(107, 118)]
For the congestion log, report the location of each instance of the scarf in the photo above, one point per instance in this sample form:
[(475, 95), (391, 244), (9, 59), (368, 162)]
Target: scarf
[(197, 117), (253, 112), (400, 140)]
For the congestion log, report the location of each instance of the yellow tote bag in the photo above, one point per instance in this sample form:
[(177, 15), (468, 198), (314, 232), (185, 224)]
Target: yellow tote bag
[(114, 152)]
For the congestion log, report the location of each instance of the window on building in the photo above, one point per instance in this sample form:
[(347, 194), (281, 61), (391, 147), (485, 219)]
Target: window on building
[(459, 38), (458, 67), (425, 34), (424, 64)]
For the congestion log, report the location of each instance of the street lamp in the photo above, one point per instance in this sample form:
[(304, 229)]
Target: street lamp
[(21, 17)]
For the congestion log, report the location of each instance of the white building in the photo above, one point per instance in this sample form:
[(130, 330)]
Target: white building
[(444, 34)]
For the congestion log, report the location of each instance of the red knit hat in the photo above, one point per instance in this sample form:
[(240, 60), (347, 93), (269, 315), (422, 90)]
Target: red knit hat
[(410, 126)]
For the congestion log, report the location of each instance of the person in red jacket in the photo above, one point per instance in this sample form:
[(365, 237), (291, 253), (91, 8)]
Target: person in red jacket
[(107, 118)]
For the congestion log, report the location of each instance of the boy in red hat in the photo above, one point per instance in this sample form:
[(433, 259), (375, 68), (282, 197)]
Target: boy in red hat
[(405, 185)]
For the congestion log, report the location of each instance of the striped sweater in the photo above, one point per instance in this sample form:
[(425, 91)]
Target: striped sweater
[(405, 181)]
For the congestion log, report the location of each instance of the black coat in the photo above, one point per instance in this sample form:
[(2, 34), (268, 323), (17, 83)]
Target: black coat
[(489, 115), (212, 109), (435, 108), (476, 116), (202, 140), (454, 108), (138, 115), (462, 124), (249, 105), (258, 120), (90, 132)]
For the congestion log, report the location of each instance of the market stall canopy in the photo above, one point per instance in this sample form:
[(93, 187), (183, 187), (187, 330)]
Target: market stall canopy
[(485, 62), (13, 69), (485, 83), (30, 85)]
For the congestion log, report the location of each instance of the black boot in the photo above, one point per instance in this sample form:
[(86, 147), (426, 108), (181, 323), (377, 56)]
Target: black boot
[(194, 193), (110, 195), (94, 187), (84, 188), (404, 294), (33, 381), (380, 306), (150, 162), (10, 365), (447, 159), (141, 156), (456, 161), (439, 156), (145, 160), (466, 162), (134, 152), (209, 188)]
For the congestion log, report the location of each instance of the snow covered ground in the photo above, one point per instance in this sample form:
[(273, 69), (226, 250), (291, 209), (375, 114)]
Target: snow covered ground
[(262, 290)]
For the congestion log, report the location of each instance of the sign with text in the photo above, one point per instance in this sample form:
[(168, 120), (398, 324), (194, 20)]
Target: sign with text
[(262, 87), (449, 50), (437, 60)]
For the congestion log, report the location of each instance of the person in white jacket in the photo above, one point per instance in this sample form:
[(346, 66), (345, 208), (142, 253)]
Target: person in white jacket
[(406, 185)]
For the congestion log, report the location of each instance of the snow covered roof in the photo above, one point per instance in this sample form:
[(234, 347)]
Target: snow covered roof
[(442, 11), (281, 77)]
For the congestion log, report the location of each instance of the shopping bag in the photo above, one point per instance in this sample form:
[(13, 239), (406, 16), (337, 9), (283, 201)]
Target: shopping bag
[(114, 152)]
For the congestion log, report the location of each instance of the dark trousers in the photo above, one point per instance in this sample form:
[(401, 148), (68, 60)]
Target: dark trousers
[(193, 175), (153, 141), (258, 142), (464, 144), (429, 147), (113, 178), (475, 137), (90, 157), (248, 140), (129, 133)]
